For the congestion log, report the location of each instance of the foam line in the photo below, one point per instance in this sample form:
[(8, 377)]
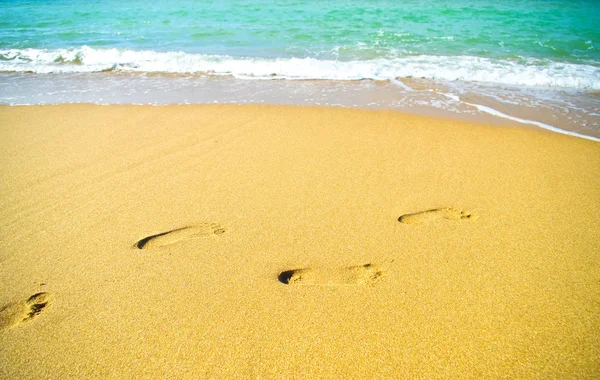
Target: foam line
[(492, 111), (401, 84), (545, 73), (496, 113)]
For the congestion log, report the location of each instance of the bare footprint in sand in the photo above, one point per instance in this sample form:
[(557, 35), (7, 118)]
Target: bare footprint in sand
[(440, 213), (18, 312), (355, 275), (174, 236)]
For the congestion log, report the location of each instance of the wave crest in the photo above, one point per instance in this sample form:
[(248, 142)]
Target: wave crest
[(521, 71)]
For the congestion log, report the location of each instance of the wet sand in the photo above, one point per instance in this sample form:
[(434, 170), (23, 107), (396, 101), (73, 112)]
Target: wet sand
[(565, 110)]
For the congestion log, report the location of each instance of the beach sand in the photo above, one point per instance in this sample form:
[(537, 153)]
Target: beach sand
[(294, 242)]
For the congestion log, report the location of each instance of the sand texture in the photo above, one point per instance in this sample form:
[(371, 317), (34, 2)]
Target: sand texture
[(287, 242)]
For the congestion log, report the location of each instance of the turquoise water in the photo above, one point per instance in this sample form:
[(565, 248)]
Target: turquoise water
[(560, 30), (552, 43), (536, 60)]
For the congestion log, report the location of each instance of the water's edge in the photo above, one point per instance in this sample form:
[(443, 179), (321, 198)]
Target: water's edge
[(565, 111)]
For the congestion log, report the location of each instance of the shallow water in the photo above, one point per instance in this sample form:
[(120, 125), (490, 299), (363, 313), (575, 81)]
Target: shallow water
[(569, 110)]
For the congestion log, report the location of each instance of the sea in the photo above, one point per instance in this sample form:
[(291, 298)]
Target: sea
[(534, 62)]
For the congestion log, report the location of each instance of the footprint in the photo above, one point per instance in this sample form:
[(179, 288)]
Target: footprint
[(174, 236), (355, 275), (18, 312), (440, 213)]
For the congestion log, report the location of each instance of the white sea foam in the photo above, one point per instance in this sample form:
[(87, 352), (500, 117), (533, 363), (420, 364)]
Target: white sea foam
[(497, 113), (464, 68), (494, 112)]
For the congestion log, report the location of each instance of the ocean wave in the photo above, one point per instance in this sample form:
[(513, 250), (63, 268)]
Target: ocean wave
[(524, 71)]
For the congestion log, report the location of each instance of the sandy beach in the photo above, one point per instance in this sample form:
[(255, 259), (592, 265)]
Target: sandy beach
[(294, 242)]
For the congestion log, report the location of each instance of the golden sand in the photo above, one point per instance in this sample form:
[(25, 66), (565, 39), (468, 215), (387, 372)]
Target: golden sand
[(287, 242)]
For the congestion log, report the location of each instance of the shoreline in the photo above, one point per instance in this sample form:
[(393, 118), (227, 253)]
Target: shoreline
[(226, 241), (551, 108)]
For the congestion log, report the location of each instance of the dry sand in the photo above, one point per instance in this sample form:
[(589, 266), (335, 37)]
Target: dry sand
[(288, 242)]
